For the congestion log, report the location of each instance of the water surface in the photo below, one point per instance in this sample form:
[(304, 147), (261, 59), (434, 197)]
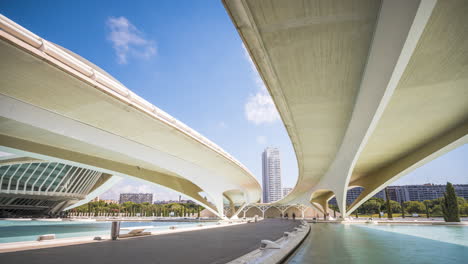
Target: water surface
[(337, 243), (15, 231)]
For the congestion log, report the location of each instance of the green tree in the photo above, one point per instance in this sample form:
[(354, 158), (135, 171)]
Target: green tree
[(394, 206), (402, 209), (371, 206), (389, 207), (428, 206), (129, 207), (132, 209), (450, 205), (464, 209), (414, 207), (335, 208), (114, 208), (437, 210)]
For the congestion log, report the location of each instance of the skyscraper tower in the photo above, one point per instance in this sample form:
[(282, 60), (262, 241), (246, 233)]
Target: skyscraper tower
[(271, 175)]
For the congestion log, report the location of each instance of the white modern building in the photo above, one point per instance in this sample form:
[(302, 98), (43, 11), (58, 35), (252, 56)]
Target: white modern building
[(271, 175)]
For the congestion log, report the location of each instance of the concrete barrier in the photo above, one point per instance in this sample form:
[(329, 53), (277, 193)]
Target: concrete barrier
[(275, 252)]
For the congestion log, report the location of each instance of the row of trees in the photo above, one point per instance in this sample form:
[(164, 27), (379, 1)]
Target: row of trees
[(428, 207), (450, 206), (143, 209)]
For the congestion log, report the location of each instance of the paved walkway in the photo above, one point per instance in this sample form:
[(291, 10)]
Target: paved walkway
[(218, 245)]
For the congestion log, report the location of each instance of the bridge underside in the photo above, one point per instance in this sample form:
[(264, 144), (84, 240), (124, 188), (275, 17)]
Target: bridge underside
[(368, 90), (57, 107)]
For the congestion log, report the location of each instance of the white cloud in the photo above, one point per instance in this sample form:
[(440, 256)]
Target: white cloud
[(259, 107), (128, 41), (262, 140)]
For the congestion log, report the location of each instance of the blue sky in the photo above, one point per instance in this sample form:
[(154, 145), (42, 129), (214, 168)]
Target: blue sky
[(186, 58)]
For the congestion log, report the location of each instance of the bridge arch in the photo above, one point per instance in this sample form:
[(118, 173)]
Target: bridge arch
[(152, 145)]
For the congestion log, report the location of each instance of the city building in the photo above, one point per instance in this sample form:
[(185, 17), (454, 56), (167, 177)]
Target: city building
[(404, 193), (352, 194), (110, 201), (136, 197), (271, 175), (174, 201), (424, 192), (286, 191)]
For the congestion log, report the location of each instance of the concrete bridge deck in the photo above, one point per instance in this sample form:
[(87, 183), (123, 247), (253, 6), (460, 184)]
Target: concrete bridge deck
[(218, 245)]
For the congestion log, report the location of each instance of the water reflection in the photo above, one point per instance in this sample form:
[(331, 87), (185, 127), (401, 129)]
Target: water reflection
[(337, 243)]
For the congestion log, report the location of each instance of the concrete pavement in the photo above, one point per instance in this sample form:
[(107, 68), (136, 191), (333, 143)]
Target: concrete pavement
[(219, 245)]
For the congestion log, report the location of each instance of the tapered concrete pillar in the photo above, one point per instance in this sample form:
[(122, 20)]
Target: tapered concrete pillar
[(341, 202), (219, 204), (324, 205), (241, 208)]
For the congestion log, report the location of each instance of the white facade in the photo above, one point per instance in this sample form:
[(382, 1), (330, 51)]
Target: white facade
[(34, 188), (271, 172)]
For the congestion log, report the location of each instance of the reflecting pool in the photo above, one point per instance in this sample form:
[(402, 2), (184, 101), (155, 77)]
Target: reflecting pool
[(338, 243), (15, 231)]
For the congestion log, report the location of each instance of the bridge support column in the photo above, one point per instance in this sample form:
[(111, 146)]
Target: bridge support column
[(241, 208), (324, 205), (341, 202), (264, 208), (219, 204), (302, 208)]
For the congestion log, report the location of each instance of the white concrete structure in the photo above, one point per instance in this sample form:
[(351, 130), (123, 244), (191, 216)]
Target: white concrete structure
[(37, 188), (57, 107), (271, 175), (368, 90)]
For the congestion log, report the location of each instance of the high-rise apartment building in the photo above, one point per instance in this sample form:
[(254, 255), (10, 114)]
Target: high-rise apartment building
[(136, 197), (404, 193), (271, 173), (424, 192), (286, 191)]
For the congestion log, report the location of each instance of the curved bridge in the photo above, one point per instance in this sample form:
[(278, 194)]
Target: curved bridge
[(368, 90), (57, 107)]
